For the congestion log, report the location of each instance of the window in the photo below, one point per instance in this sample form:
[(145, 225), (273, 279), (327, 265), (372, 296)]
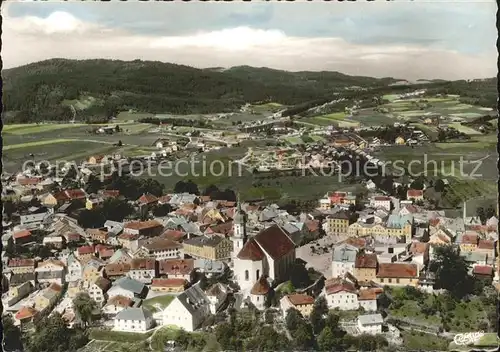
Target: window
[(390, 280), (246, 275), (397, 281), (257, 274)]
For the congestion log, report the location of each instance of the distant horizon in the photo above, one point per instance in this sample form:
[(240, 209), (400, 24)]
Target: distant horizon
[(438, 39), (243, 65)]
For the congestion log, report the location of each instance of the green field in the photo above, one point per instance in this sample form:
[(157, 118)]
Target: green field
[(162, 301), (133, 116), (118, 336), (419, 341)]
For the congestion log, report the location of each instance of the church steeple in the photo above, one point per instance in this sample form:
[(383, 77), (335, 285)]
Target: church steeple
[(239, 228)]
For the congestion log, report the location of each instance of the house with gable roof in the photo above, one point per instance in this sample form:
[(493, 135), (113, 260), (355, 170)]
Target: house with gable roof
[(343, 259), (134, 320)]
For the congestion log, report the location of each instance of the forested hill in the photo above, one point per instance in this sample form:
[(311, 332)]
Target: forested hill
[(99, 88), (44, 90)]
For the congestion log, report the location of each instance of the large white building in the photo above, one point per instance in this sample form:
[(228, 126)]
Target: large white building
[(134, 320), (341, 294), (370, 324), (343, 259), (188, 309)]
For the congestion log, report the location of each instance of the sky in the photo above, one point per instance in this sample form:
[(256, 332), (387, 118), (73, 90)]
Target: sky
[(408, 40)]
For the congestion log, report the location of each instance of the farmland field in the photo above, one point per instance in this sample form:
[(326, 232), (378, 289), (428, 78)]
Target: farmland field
[(464, 129)]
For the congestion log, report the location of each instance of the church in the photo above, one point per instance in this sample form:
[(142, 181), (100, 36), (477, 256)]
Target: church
[(270, 253)]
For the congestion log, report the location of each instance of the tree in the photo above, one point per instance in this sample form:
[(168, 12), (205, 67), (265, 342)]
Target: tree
[(93, 185), (452, 272), (12, 335), (326, 340), (115, 209), (481, 214), (91, 219), (293, 319), (490, 212), (439, 185), (299, 276), (84, 307)]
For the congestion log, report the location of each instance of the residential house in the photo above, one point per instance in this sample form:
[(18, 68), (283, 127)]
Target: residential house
[(365, 267), (415, 195), (483, 272), (127, 287), (121, 256), (210, 268), (47, 297), (188, 310), (116, 304), (487, 247), (54, 241), (92, 269), (475, 258), (399, 141), (85, 252), (97, 289), (213, 248), (340, 294), (420, 253), (129, 241), (98, 235), (17, 293), (468, 242), (51, 270), (397, 274), (134, 320), (343, 260), (25, 315), (337, 224), (168, 285), (75, 288), (22, 237), (22, 266), (381, 202), (34, 221), (149, 228), (302, 302), (162, 248), (370, 324), (74, 269), (260, 293), (217, 295), (93, 202), (367, 299), (147, 200), (142, 269), (177, 268), (115, 271)]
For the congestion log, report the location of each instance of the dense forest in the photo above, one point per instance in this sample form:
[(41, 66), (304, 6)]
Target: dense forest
[(46, 90)]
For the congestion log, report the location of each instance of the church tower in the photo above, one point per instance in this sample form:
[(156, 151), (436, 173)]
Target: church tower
[(239, 229)]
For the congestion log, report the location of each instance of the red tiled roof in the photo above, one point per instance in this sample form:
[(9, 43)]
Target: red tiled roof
[(97, 158), (275, 242), (366, 261), (168, 282), (483, 270), (335, 285), (28, 181), (120, 301), (22, 234), (164, 199), (142, 264), (204, 199), (116, 269), (128, 236), (176, 266), (357, 242), (70, 237), (103, 283), (51, 261), (142, 225), (225, 228), (367, 295), (261, 287), (110, 193), (486, 244), (173, 235), (414, 193), (251, 251), (397, 270), (312, 225), (470, 239), (25, 313), (75, 194), (382, 198), (419, 247), (147, 199), (85, 250), (61, 196), (13, 263), (55, 287), (298, 299), (434, 222)]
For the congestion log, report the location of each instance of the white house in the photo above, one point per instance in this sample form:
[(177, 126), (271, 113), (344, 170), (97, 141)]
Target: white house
[(134, 320), (142, 270), (370, 324), (367, 299), (97, 289), (217, 295), (188, 309), (343, 259), (51, 270), (381, 202), (341, 294)]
